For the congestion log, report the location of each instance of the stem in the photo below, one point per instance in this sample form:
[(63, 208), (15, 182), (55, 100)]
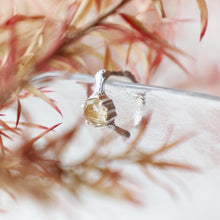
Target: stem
[(69, 39), (90, 27)]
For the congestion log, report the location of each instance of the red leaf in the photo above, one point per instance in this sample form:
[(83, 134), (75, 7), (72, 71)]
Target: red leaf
[(164, 165), (203, 16), (167, 146), (5, 135), (17, 18), (59, 35), (107, 57), (159, 6), (5, 126), (3, 148), (71, 12), (98, 4), (128, 52), (8, 69), (43, 133), (143, 126), (153, 40), (41, 95), (18, 113), (32, 125), (155, 63), (147, 34), (83, 12), (28, 124)]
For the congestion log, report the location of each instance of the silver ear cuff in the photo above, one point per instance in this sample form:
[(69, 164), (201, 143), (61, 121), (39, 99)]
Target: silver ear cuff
[(99, 109)]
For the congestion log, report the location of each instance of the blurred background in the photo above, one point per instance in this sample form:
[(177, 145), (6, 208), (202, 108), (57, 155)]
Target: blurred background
[(54, 166)]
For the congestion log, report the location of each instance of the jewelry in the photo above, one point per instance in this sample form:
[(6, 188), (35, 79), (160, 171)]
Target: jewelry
[(99, 109)]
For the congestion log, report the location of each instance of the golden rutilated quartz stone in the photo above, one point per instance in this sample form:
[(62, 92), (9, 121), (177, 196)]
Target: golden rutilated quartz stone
[(99, 109), (95, 113)]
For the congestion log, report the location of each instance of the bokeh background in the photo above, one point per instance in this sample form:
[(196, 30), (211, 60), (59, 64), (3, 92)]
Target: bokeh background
[(163, 193)]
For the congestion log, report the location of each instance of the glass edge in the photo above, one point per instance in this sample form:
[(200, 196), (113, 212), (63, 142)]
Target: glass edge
[(84, 78)]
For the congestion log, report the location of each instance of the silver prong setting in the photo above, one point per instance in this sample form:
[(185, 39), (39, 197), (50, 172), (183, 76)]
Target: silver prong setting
[(99, 109)]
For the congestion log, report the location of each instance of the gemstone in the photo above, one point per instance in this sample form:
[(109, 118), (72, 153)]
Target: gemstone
[(95, 113)]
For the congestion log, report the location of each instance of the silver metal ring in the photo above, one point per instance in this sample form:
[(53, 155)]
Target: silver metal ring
[(99, 109)]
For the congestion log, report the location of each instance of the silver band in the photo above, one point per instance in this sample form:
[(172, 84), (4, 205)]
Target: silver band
[(104, 112), (102, 75)]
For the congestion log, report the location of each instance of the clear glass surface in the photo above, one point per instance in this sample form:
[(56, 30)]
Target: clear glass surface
[(187, 118)]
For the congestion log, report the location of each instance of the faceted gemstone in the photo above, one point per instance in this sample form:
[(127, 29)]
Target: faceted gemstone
[(95, 113)]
